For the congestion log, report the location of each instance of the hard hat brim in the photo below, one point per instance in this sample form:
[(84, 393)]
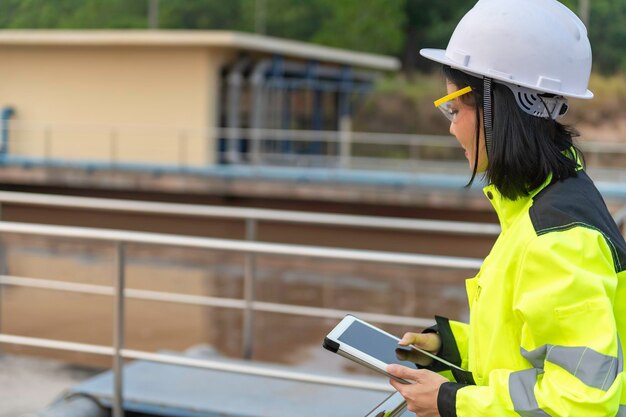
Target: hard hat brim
[(439, 55)]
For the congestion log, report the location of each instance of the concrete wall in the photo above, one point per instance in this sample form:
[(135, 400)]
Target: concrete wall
[(124, 103)]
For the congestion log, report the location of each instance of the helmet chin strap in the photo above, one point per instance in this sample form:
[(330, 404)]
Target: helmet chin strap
[(529, 101), (487, 114)]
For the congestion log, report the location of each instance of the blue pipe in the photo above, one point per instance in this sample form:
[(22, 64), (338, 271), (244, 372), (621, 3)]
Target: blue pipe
[(7, 112)]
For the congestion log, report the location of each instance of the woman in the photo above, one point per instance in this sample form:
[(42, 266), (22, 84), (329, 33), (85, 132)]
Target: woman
[(548, 306)]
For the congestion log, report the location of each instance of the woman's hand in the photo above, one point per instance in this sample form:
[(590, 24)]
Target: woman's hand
[(430, 342), (421, 396)]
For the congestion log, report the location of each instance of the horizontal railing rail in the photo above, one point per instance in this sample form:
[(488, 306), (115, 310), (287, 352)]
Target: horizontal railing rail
[(346, 149), (235, 133), (281, 216), (230, 245), (223, 302), (120, 293)]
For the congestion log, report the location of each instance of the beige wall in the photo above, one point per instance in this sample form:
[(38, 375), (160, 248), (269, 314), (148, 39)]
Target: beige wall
[(128, 104)]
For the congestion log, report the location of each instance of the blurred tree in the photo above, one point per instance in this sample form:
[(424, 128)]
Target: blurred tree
[(363, 25), (607, 32), (290, 19), (72, 14), (202, 14), (368, 25), (429, 24)]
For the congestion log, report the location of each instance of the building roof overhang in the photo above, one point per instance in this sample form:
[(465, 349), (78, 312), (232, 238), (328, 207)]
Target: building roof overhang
[(188, 38)]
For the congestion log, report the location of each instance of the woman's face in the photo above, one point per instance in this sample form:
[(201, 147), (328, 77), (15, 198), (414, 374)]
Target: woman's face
[(464, 130)]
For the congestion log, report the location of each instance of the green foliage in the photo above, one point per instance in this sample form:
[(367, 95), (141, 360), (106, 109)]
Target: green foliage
[(366, 25), (72, 14), (435, 21), (201, 14), (291, 19), (608, 35)]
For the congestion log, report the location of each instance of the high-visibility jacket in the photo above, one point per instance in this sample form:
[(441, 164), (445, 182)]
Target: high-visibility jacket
[(547, 310)]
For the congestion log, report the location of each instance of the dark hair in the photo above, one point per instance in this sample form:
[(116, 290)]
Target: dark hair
[(525, 149)]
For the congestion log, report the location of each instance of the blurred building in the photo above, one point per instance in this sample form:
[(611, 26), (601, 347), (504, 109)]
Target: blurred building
[(165, 97), (204, 116)]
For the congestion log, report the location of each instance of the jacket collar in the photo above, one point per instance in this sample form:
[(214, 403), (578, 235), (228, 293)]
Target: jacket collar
[(509, 211)]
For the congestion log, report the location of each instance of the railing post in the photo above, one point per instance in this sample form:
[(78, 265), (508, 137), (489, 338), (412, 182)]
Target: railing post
[(118, 332), (254, 146), (232, 150), (248, 292), (345, 139)]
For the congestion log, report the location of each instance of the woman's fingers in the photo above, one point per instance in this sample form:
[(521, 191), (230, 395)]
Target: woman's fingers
[(430, 342)]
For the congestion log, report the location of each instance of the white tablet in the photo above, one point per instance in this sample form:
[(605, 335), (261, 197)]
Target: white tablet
[(370, 346)]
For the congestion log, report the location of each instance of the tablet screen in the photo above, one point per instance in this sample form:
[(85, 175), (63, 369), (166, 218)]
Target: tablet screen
[(373, 343)]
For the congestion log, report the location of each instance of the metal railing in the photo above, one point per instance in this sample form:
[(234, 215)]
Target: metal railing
[(252, 217), (253, 214), (120, 293), (174, 146)]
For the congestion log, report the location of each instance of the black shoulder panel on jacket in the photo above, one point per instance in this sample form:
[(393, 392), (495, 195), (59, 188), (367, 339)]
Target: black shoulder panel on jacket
[(575, 202)]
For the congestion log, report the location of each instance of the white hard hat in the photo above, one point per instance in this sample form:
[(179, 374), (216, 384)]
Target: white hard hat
[(537, 44)]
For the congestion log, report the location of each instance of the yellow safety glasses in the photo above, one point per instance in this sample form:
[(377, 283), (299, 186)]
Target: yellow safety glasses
[(445, 103)]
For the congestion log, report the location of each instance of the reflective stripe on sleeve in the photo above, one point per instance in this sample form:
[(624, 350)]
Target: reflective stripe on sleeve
[(521, 389), (589, 366), (592, 368), (620, 357)]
